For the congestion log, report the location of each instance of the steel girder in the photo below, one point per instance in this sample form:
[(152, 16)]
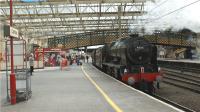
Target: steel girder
[(59, 17)]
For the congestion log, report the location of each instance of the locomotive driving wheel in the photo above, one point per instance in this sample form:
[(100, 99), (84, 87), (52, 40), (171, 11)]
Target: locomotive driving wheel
[(109, 71), (151, 88), (117, 74), (104, 68)]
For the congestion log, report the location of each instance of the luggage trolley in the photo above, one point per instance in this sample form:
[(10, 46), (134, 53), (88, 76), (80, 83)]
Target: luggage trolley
[(23, 82), (22, 72)]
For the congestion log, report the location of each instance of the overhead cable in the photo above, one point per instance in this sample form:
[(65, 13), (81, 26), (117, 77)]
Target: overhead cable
[(158, 5), (174, 11)]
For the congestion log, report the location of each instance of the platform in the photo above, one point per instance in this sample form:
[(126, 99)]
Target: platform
[(75, 90), (185, 64), (195, 61)]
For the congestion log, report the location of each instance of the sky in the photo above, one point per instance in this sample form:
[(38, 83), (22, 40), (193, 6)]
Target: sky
[(188, 17)]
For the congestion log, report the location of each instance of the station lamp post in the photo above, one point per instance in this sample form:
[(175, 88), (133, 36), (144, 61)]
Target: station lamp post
[(12, 75)]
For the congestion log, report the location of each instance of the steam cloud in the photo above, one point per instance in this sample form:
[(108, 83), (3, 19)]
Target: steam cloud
[(187, 17)]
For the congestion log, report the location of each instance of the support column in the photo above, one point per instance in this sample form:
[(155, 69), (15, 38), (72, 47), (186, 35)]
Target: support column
[(43, 57), (12, 75), (119, 20)]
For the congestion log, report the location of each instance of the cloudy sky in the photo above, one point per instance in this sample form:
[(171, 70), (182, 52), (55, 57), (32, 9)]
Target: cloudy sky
[(188, 17)]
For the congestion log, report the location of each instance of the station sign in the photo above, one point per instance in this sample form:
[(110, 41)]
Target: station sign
[(10, 31), (14, 32)]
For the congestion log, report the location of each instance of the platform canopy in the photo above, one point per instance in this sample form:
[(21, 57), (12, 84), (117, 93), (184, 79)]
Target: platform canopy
[(39, 18)]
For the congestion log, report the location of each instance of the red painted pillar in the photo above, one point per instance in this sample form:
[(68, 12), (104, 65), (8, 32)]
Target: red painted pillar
[(37, 51), (12, 75), (43, 56)]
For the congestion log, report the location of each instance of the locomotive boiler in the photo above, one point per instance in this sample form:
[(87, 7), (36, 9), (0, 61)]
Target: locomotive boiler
[(132, 60)]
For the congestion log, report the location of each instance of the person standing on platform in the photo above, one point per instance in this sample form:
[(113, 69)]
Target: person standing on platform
[(61, 62), (84, 58), (77, 59), (31, 63), (87, 57), (70, 59)]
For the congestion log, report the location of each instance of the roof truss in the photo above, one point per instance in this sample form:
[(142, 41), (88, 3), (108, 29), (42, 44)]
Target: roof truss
[(59, 17)]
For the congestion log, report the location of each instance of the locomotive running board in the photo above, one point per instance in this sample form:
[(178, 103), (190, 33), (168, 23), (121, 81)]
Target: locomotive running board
[(112, 65)]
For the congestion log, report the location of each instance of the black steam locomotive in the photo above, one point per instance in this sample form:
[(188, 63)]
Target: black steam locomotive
[(132, 60)]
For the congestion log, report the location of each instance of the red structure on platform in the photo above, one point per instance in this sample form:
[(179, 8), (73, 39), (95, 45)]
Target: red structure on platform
[(50, 56)]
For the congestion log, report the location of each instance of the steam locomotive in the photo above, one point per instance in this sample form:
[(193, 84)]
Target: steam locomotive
[(132, 60)]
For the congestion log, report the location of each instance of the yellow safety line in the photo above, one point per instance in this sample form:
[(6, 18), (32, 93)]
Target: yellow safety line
[(108, 99)]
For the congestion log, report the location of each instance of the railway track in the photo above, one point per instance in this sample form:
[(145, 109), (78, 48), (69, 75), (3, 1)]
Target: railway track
[(182, 79), (173, 103), (183, 69)]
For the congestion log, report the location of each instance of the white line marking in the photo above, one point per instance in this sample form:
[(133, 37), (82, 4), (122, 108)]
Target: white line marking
[(107, 98), (141, 92)]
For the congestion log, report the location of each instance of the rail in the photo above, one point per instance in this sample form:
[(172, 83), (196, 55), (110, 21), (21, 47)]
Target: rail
[(182, 80)]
